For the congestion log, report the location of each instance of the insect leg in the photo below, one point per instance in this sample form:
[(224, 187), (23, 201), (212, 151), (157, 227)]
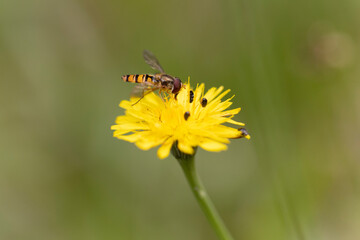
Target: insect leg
[(144, 93)]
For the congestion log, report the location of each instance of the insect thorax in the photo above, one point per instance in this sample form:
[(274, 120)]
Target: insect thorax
[(166, 80)]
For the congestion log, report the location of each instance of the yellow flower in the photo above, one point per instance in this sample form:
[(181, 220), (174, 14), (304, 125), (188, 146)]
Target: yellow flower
[(190, 119)]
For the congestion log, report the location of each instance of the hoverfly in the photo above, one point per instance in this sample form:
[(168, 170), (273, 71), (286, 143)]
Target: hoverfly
[(150, 82)]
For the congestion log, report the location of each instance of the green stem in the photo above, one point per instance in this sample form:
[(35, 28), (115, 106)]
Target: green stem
[(188, 165)]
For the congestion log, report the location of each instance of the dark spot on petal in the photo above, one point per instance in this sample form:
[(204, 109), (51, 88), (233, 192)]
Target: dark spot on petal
[(186, 115), (191, 96), (203, 102)]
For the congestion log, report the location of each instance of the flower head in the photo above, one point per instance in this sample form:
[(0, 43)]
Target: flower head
[(189, 119)]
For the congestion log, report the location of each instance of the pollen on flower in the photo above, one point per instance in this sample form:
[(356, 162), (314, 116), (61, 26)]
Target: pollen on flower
[(187, 120)]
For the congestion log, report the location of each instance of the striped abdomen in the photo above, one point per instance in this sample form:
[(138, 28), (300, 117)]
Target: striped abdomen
[(139, 78)]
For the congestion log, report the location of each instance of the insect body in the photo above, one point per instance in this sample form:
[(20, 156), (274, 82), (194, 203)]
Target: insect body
[(148, 83)]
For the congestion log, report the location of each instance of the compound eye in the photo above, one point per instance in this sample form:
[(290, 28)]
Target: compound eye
[(177, 85)]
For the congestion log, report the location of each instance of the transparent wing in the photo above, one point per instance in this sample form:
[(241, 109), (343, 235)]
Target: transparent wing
[(152, 61), (140, 90)]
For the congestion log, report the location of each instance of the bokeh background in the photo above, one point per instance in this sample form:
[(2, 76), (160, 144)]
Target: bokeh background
[(293, 65)]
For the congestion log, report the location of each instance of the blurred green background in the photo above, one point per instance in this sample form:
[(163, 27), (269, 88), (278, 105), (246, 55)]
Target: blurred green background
[(294, 67)]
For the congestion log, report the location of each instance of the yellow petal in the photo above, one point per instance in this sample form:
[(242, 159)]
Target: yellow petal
[(125, 119), (154, 99), (125, 104), (183, 97), (227, 113), (213, 92), (223, 105), (147, 142), (210, 133), (143, 115), (227, 132), (185, 147), (130, 138), (235, 122), (164, 149), (198, 93), (130, 126), (218, 98), (120, 132), (213, 146)]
